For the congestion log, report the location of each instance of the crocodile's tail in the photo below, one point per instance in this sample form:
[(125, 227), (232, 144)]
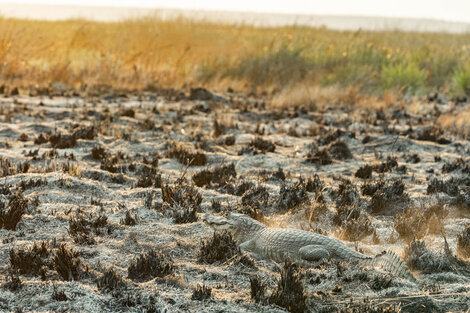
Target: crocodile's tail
[(391, 262)]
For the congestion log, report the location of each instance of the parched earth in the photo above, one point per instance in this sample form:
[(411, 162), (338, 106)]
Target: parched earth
[(101, 199)]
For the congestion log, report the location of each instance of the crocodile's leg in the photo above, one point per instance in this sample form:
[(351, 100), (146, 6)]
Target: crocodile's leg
[(248, 245), (313, 253)]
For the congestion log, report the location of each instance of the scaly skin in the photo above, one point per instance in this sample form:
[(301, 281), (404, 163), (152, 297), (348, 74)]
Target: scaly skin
[(302, 247)]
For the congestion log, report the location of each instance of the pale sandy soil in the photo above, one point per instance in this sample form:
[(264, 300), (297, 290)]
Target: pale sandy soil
[(190, 122)]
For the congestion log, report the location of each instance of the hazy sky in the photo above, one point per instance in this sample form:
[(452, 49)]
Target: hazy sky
[(453, 10)]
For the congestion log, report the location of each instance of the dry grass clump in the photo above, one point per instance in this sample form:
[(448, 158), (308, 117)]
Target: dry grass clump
[(32, 183), (419, 257), (183, 199), (346, 195), (7, 167), (98, 153), (456, 165), (62, 141), (416, 222), (458, 124), (387, 166), (257, 289), (150, 265), (452, 187), (463, 243)]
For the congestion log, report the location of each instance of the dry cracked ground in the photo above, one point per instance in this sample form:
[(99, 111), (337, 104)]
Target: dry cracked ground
[(101, 197)]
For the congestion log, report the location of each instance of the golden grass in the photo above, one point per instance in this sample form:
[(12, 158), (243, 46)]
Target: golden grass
[(458, 123), (147, 53)]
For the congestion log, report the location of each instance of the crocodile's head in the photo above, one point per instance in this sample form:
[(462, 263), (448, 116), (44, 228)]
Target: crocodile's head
[(241, 226)]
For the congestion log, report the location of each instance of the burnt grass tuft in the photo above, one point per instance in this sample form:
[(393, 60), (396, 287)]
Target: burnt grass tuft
[(98, 153), (220, 248), (110, 281), (387, 166), (257, 289), (289, 292), (32, 261), (364, 172), (186, 157), (218, 177), (183, 199), (149, 177), (150, 265), (61, 141), (13, 282), (17, 205), (292, 196), (319, 157), (185, 215), (463, 243), (82, 227), (262, 145), (419, 257), (68, 263), (32, 183), (129, 220), (254, 200), (201, 293), (385, 196), (339, 150), (456, 165)]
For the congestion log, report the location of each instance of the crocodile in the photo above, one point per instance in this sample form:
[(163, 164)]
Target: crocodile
[(305, 248)]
